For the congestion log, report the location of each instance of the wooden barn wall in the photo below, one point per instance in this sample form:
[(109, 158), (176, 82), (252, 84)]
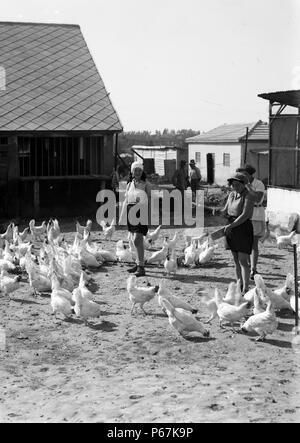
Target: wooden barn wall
[(283, 160), (57, 196)]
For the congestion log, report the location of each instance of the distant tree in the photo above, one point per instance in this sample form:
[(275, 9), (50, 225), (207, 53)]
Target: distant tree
[(146, 138)]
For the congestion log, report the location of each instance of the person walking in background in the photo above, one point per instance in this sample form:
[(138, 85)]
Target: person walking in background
[(256, 190), (195, 178), (180, 178), (239, 231)]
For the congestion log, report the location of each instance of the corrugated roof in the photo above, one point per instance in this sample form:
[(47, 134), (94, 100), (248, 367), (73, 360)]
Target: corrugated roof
[(223, 134), (52, 83), (290, 98), (260, 132)]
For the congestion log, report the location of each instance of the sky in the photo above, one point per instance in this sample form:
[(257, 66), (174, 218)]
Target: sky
[(183, 64)]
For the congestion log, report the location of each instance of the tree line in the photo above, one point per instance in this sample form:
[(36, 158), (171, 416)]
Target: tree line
[(166, 137)]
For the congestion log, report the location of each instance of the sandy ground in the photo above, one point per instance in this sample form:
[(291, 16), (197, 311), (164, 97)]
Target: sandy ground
[(125, 368)]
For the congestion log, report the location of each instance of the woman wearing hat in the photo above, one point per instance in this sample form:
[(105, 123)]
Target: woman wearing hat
[(239, 231), (137, 192)]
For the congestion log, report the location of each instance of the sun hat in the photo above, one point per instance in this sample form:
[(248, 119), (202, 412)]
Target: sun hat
[(240, 177), (137, 165)]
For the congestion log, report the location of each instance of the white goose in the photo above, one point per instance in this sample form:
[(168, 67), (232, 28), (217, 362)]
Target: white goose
[(264, 323), (9, 284), (139, 295), (183, 321), (159, 256), (164, 293)]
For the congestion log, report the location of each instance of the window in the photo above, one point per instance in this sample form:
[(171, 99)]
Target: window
[(198, 157), (226, 159)]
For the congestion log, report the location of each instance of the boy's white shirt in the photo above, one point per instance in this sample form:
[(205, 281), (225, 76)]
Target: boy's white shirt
[(258, 212)]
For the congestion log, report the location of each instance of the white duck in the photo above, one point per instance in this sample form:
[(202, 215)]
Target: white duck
[(182, 320), (170, 264), (190, 254), (88, 260), (286, 291), (259, 284), (7, 254), (139, 295), (9, 284), (230, 296), (108, 231), (259, 302), (148, 244), (211, 304), (264, 323), (85, 292), (123, 254), (158, 256), (154, 235), (38, 281), (6, 265), (84, 307), (60, 304), (80, 229), (285, 240), (228, 313), (56, 287), (8, 235), (100, 254), (206, 255), (164, 293), (19, 236), (37, 231), (172, 243)]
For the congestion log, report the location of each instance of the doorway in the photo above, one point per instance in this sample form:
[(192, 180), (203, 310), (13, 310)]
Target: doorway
[(210, 158)]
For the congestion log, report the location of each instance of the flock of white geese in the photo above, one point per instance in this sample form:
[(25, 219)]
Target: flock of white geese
[(54, 266)]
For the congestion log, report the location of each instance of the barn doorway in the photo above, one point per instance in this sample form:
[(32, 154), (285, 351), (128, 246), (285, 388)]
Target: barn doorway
[(210, 158)]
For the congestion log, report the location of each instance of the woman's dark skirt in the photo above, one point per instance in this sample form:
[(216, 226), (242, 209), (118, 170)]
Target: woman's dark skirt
[(136, 229), (240, 239)]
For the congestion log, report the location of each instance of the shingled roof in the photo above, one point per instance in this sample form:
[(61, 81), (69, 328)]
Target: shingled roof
[(223, 134), (52, 83), (260, 132)]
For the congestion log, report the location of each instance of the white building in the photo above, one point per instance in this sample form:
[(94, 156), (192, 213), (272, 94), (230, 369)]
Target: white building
[(219, 152), (165, 159)]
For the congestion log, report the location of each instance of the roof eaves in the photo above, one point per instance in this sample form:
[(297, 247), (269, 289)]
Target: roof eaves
[(40, 24)]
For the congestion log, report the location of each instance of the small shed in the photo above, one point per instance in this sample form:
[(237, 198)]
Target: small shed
[(58, 127), (166, 159), (284, 161), (219, 152)]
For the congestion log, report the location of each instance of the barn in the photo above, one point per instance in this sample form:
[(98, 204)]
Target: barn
[(219, 152), (58, 127)]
